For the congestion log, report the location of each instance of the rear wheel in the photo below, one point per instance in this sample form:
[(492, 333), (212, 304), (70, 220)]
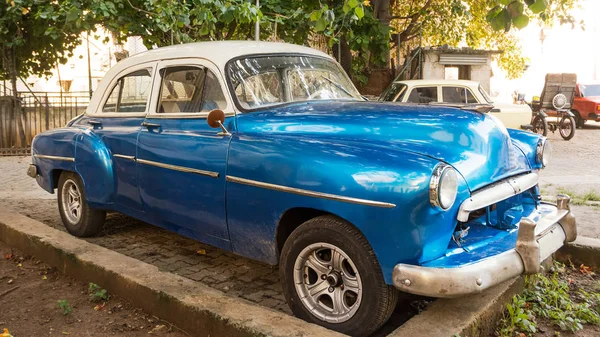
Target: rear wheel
[(540, 126), (567, 127), (78, 217), (331, 277)]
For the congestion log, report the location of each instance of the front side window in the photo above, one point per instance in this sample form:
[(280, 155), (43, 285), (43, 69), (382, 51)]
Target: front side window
[(268, 80), (130, 93), (189, 89), (394, 93), (458, 95), (423, 95)]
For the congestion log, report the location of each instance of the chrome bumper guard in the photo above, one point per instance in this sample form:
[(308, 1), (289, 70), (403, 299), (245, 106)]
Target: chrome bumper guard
[(535, 243)]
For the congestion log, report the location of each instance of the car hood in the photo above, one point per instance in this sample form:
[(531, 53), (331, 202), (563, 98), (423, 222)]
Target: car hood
[(595, 99), (476, 144)]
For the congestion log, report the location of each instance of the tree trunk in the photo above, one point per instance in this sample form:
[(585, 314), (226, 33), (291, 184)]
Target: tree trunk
[(346, 55), (10, 64), (382, 11)]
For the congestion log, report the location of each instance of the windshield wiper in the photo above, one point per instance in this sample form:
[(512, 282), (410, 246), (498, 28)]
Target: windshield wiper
[(338, 86)]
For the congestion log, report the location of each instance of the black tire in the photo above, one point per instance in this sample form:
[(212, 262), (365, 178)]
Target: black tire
[(540, 125), (566, 128), (578, 120), (378, 299), (84, 222)]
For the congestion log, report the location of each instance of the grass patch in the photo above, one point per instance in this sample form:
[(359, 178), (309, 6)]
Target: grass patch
[(578, 199), (554, 298)]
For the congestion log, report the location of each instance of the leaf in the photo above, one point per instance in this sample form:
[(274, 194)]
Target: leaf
[(515, 8), (538, 6), (360, 12), (521, 21), (352, 3), (201, 252), (320, 25), (346, 8), (315, 15)]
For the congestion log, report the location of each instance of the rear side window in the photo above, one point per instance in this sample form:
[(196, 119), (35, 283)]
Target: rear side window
[(130, 93), (423, 95), (394, 93)]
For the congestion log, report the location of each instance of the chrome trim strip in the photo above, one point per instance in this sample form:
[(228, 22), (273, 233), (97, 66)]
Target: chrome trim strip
[(43, 156), (309, 193), (124, 156), (179, 168), (494, 193), (474, 278), (183, 115)]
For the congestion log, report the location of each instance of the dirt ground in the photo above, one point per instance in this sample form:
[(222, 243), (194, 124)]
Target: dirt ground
[(30, 292)]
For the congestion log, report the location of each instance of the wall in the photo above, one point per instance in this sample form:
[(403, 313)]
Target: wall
[(433, 70)]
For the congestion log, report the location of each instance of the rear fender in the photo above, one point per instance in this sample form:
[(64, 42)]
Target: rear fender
[(94, 164), (51, 151)]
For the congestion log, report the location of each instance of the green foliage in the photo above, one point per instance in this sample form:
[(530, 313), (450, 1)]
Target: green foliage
[(550, 297), (97, 294), (578, 199), (65, 307)]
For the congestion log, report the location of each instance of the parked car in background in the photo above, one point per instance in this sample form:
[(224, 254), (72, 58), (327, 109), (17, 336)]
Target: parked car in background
[(269, 151), (586, 105), (515, 116)]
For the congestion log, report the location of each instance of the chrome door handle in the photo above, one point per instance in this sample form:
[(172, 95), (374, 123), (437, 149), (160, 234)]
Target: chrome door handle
[(150, 125), (94, 122)]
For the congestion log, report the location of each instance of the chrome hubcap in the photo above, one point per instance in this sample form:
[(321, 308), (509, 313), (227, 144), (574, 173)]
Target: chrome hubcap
[(71, 201), (327, 282)]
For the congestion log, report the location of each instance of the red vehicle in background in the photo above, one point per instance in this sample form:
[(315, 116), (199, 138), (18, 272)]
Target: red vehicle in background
[(586, 104)]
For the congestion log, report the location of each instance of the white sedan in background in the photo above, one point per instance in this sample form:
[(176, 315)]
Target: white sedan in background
[(516, 116)]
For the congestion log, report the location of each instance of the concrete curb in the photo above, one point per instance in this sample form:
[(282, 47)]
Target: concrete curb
[(196, 308), (204, 311), (471, 316), (584, 250)]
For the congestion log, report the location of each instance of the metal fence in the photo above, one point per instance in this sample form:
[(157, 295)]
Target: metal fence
[(40, 111)]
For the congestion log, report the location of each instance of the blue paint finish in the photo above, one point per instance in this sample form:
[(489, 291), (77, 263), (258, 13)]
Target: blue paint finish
[(173, 198), (58, 142), (375, 151), (110, 179)]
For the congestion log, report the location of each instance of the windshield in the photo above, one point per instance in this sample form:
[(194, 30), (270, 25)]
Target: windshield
[(588, 90), (485, 94), (393, 93), (269, 80)]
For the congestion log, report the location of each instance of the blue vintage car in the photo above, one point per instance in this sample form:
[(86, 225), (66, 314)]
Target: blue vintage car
[(269, 151)]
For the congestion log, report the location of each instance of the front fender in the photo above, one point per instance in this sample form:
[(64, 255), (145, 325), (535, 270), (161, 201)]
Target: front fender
[(527, 142), (94, 164), (411, 231)]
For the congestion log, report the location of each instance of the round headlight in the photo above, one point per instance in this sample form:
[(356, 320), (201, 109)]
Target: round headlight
[(443, 186), (544, 152)]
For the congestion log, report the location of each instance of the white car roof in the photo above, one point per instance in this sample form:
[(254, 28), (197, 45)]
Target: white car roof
[(466, 83), (218, 52)]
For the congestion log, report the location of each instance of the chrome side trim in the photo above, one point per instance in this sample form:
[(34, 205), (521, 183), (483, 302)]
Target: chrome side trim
[(179, 168), (309, 193), (499, 191), (43, 156), (124, 156), (184, 115)]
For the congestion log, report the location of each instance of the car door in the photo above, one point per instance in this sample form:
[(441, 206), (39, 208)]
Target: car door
[(182, 161), (118, 122)]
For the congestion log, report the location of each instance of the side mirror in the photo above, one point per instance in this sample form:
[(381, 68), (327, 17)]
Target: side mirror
[(215, 119)]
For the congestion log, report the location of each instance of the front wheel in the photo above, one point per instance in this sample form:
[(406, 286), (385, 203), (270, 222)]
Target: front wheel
[(540, 126), (78, 217), (331, 277), (567, 127)]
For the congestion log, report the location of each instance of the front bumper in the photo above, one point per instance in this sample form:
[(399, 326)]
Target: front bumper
[(536, 241)]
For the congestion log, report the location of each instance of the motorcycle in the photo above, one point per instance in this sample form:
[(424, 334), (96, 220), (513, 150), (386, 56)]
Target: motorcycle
[(551, 111)]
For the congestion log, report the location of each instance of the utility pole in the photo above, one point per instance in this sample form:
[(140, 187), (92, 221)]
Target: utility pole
[(257, 26), (87, 39)]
